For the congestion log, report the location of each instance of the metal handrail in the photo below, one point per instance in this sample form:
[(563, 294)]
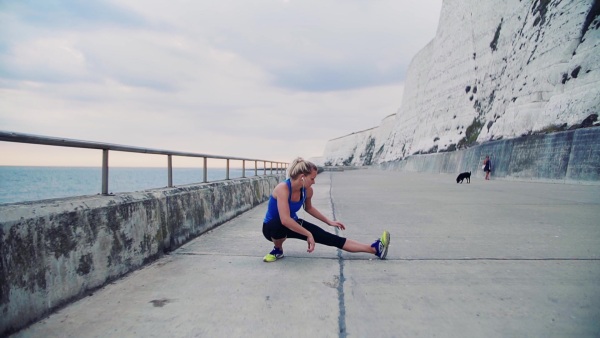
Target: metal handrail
[(8, 136)]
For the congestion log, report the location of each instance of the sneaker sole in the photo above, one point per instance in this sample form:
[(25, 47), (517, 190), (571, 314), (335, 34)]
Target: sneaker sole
[(385, 239), (276, 258)]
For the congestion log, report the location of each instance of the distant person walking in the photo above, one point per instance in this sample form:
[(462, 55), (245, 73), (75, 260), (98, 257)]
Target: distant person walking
[(281, 221), (487, 167)]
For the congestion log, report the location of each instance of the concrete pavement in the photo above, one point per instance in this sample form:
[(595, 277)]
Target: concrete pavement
[(486, 259)]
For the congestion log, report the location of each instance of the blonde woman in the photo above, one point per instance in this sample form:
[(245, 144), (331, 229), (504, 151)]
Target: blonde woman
[(281, 221)]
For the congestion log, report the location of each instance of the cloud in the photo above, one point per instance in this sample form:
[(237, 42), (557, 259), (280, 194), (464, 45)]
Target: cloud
[(266, 79), (297, 42), (39, 39), (61, 61), (336, 77), (70, 14)]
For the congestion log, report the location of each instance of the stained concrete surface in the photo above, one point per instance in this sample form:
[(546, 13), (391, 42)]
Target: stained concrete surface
[(486, 259)]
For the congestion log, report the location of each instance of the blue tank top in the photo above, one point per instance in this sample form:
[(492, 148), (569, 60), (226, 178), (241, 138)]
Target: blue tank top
[(273, 212)]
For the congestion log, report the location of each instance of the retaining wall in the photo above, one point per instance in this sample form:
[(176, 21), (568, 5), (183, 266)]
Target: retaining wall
[(55, 251), (565, 157)]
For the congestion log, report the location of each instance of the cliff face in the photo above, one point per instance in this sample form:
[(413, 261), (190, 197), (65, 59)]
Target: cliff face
[(360, 148), (495, 70)]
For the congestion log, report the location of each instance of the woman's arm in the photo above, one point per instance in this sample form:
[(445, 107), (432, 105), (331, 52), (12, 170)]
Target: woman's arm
[(308, 207)]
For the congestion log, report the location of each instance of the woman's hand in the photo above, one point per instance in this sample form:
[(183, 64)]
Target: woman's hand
[(311, 243), (338, 225)]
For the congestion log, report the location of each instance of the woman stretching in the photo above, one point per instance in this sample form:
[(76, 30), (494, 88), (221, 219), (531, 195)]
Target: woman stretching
[(281, 221)]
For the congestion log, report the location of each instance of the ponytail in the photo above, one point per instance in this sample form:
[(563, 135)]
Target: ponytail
[(300, 166)]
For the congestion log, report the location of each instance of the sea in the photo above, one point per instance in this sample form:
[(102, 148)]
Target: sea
[(25, 184)]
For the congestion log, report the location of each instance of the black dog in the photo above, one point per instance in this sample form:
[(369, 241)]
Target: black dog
[(462, 176)]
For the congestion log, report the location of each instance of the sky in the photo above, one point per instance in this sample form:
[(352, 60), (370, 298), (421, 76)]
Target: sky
[(261, 79)]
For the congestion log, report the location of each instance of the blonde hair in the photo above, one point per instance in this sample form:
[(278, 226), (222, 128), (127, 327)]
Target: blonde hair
[(300, 166)]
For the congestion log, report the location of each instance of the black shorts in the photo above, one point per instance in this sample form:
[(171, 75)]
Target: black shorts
[(274, 229)]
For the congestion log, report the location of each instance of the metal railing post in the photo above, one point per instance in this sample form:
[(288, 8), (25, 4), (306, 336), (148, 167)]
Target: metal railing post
[(170, 170), (104, 171), (255, 168), (265, 168), (243, 168), (205, 171), (227, 171)]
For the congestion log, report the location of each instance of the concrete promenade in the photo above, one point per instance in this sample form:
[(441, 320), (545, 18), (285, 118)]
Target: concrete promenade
[(488, 259)]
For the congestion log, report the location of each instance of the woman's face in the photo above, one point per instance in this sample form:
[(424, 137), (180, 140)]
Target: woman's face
[(309, 179)]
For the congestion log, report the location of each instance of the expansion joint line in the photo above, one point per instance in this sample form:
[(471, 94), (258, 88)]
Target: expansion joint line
[(340, 287), (515, 259)]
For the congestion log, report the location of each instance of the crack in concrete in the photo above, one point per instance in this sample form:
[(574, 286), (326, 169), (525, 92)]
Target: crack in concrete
[(340, 288)]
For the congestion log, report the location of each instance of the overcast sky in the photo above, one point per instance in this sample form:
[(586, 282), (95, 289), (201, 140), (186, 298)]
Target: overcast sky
[(267, 79)]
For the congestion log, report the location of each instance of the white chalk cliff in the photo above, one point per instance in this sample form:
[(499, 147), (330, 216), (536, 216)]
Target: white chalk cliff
[(495, 70)]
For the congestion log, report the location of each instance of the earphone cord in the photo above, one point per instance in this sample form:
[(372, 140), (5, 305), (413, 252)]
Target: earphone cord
[(303, 204)]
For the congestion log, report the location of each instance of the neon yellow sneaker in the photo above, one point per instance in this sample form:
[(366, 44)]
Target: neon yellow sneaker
[(274, 255), (381, 245)]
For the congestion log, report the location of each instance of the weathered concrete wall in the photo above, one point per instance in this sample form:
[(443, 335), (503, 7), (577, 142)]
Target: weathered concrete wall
[(569, 157), (56, 251)]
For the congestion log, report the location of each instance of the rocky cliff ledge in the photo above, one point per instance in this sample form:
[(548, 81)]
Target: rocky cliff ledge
[(495, 70)]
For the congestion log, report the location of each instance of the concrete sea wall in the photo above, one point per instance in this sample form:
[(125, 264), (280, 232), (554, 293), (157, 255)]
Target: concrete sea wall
[(55, 251), (564, 157)]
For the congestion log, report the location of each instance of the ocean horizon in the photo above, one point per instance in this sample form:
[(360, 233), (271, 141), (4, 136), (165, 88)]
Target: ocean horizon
[(35, 183)]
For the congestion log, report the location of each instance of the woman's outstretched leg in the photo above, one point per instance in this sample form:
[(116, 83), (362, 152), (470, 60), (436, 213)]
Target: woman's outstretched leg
[(378, 248), (354, 246)]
